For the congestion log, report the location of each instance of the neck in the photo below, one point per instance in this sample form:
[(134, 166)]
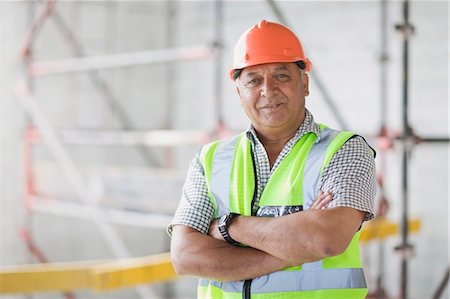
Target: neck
[(275, 137), (274, 142), (278, 136)]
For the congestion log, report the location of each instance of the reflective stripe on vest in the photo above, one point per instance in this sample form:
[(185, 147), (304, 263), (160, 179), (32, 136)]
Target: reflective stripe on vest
[(221, 173), (230, 176), (287, 281)]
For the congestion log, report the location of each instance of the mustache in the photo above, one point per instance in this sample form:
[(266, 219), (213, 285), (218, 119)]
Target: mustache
[(272, 103)]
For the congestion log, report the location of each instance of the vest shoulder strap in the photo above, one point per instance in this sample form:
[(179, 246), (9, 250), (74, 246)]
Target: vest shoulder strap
[(216, 157), (206, 157), (338, 141)]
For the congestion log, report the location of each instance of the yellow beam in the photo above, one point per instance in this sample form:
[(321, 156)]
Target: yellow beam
[(127, 273), (44, 277), (381, 228), (96, 275), (107, 275)]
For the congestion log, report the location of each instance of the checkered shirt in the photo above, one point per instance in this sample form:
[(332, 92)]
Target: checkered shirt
[(349, 176)]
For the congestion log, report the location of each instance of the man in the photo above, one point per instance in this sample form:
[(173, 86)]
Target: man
[(275, 212)]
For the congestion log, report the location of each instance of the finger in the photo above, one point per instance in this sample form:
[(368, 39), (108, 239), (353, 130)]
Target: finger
[(325, 201), (322, 200), (317, 199), (318, 204), (212, 228)]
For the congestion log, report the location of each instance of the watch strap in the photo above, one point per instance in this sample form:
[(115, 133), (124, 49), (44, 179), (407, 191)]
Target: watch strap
[(224, 223)]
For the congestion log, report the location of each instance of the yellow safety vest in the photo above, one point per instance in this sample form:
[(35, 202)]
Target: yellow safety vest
[(230, 178)]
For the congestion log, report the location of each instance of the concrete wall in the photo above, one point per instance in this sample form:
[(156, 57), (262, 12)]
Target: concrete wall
[(341, 38)]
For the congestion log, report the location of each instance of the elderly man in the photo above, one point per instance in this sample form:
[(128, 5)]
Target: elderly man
[(275, 212)]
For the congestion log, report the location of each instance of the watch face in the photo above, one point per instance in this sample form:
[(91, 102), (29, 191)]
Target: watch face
[(223, 220)]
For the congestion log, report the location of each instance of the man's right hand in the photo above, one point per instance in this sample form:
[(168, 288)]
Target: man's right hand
[(322, 200)]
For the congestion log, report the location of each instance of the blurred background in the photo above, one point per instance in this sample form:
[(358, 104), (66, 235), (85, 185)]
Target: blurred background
[(104, 103)]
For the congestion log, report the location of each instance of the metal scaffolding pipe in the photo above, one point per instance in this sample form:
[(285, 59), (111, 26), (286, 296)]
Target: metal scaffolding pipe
[(103, 62), (171, 69), (442, 285), (36, 25), (83, 189), (379, 290), (407, 137), (152, 138), (314, 75), (118, 216), (384, 60), (218, 63)]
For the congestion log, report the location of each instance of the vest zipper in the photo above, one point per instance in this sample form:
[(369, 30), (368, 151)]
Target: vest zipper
[(256, 185), (246, 290)]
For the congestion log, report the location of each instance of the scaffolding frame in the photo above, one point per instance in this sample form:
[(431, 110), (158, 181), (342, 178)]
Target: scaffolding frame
[(141, 140), (82, 186)]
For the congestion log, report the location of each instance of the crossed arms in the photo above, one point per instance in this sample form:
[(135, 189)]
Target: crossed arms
[(272, 243)]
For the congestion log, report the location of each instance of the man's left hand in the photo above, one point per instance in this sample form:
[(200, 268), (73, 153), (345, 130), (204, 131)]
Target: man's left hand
[(214, 230)]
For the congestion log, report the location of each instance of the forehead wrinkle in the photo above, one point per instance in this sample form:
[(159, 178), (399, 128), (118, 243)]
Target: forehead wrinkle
[(267, 69), (281, 68), (251, 74)]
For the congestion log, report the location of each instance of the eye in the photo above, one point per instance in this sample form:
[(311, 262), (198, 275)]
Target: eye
[(282, 77), (253, 82)]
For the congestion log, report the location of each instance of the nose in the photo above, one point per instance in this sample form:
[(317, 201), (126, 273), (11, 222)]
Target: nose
[(269, 87)]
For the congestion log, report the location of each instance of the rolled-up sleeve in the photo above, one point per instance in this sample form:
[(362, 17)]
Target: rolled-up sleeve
[(195, 208), (350, 177)]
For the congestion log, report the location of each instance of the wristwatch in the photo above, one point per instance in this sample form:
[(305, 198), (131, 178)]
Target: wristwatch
[(223, 224)]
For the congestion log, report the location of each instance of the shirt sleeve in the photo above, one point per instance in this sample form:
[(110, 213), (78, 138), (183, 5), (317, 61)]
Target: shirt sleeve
[(350, 177), (195, 208)]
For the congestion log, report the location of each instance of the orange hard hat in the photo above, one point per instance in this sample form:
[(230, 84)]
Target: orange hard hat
[(267, 42)]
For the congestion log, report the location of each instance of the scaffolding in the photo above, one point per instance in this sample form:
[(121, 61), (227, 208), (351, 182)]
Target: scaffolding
[(88, 189), (40, 129)]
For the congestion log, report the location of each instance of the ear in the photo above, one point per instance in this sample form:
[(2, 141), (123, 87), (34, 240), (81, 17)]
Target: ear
[(239, 93), (306, 84)]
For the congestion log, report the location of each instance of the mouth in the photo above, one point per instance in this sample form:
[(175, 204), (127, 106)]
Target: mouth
[(273, 106)]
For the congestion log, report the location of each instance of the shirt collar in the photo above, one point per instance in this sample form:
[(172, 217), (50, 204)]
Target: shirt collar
[(308, 126)]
